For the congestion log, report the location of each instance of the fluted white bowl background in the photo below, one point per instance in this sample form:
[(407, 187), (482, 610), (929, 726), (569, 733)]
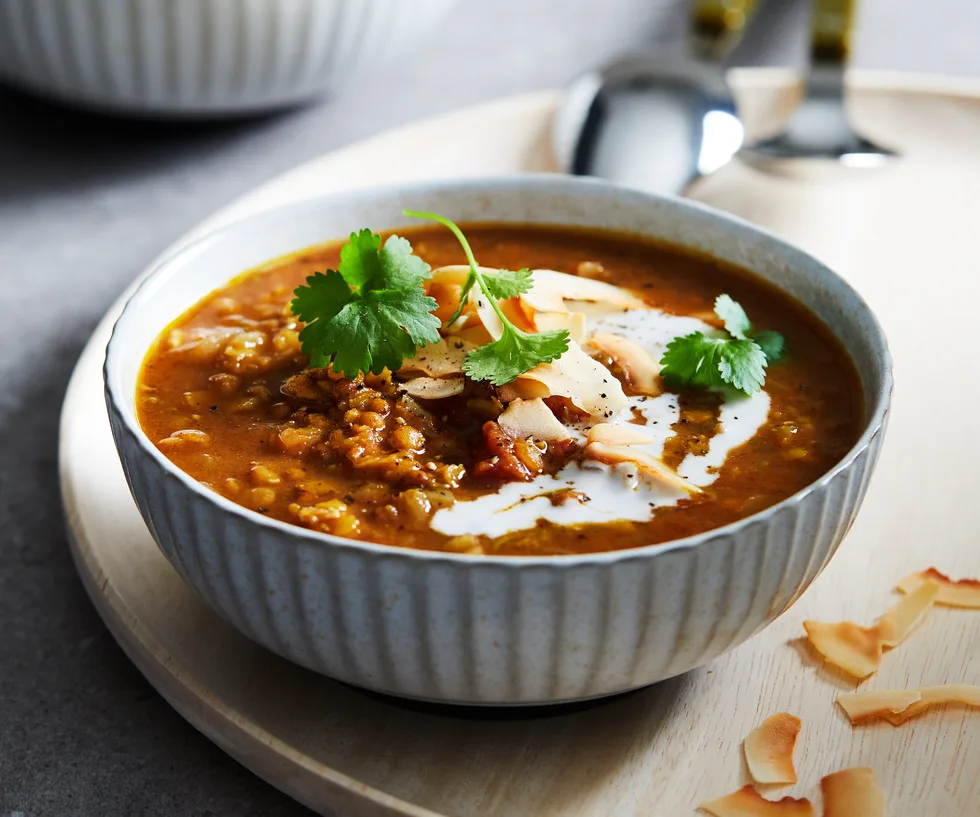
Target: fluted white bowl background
[(491, 630), (202, 56)]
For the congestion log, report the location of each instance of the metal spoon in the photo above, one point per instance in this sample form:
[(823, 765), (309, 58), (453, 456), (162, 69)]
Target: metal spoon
[(657, 124), (820, 128)]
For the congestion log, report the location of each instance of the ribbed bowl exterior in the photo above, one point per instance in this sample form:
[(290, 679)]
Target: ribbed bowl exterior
[(483, 632), (202, 56), (485, 629)]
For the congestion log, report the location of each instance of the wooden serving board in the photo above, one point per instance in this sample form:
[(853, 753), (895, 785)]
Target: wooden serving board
[(908, 237)]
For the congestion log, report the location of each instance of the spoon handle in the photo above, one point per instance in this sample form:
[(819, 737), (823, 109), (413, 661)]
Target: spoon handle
[(717, 26), (831, 28)]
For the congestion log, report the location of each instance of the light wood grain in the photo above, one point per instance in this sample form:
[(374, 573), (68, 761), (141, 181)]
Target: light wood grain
[(909, 239)]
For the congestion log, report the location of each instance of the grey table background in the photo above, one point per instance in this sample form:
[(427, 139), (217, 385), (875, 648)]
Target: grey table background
[(84, 206)]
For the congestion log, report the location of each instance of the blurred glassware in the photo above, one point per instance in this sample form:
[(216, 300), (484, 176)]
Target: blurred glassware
[(658, 123), (202, 57), (820, 128)]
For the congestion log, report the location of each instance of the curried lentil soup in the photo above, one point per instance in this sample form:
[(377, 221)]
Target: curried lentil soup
[(227, 395)]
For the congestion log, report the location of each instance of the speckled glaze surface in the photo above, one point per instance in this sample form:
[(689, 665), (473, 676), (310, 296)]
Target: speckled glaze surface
[(492, 630), (192, 57)]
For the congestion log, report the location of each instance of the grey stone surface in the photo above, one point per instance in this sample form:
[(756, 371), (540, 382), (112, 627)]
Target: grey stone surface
[(85, 203)]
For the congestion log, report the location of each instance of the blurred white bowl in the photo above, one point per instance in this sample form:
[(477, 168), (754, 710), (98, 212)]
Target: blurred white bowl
[(202, 57)]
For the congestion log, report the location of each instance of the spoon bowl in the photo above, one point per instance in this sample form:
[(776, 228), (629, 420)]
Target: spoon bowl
[(649, 123), (658, 123)]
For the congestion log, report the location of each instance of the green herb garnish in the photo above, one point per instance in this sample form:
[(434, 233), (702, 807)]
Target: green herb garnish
[(515, 352), (372, 312), (738, 361), (772, 344)]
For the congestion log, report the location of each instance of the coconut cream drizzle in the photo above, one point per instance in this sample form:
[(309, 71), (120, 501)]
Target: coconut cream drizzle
[(585, 491)]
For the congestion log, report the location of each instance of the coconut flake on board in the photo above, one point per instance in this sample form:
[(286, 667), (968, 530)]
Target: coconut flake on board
[(858, 650), (852, 793), (747, 802), (952, 593), (898, 705), (769, 749)]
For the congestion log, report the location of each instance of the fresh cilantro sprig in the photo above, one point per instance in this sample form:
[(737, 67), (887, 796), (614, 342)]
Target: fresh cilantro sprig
[(738, 325), (738, 361), (515, 352), (502, 284), (371, 312)]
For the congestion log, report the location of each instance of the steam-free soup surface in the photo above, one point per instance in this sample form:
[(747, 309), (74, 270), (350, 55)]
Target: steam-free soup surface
[(227, 396)]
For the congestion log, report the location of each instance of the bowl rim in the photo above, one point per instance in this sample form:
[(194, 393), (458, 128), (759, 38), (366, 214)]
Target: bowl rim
[(169, 264)]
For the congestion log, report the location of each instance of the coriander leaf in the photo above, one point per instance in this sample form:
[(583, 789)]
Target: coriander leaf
[(507, 284), (772, 344), (370, 314), (698, 360), (736, 321), (514, 353), (400, 267), (369, 333), (739, 326), (318, 304), (359, 261), (365, 264), (378, 332), (743, 365)]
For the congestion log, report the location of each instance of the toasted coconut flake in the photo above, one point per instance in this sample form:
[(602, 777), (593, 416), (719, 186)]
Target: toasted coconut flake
[(620, 434), (489, 318), (852, 793), (574, 322), (645, 462), (439, 359), (433, 388), (966, 694), (769, 749), (858, 649), (445, 286), (552, 291), (614, 444), (897, 706), (638, 364), (468, 329), (851, 647), (519, 314), (895, 625), (898, 718), (866, 706), (584, 381), (532, 418), (747, 802), (961, 593), (522, 389), (454, 273)]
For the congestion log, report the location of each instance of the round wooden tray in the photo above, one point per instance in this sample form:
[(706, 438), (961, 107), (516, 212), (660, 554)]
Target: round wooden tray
[(906, 237)]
